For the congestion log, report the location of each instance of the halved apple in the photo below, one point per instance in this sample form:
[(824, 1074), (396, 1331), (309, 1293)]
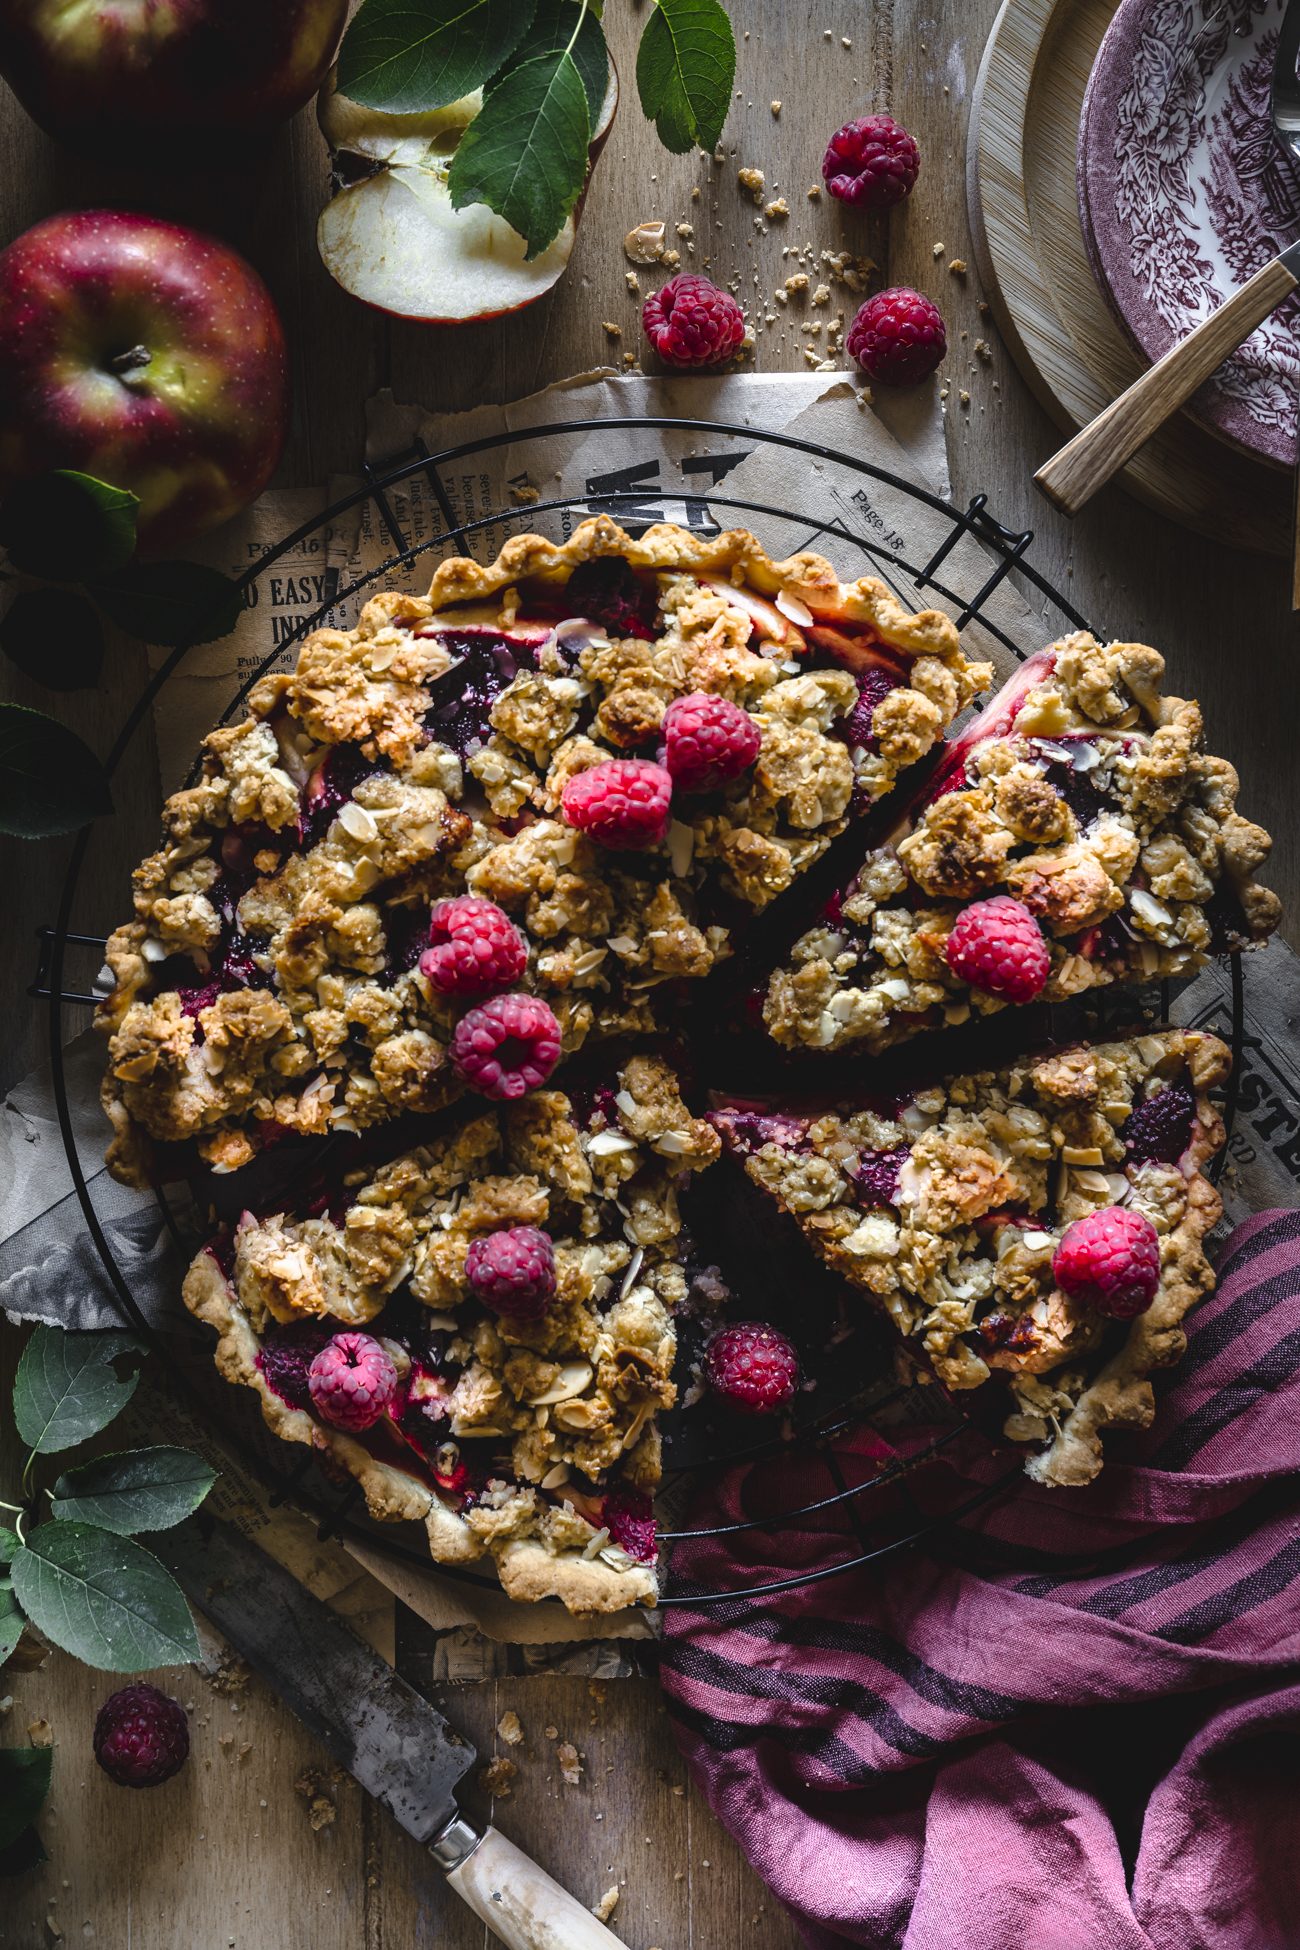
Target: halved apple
[(390, 235)]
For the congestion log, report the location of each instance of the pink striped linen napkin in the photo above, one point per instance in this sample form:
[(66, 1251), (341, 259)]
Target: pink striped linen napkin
[(1070, 1719)]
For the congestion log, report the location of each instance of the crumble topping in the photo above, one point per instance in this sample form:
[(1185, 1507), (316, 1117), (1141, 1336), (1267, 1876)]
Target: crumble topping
[(1097, 807), (948, 1213), (269, 981), (516, 1430)]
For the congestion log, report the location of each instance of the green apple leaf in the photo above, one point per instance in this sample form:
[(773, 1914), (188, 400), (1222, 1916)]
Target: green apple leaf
[(685, 68), (67, 1388), (175, 604), (11, 1619), (68, 527), (10, 1542), (104, 1599), (54, 636), (408, 55), (552, 30), (24, 1854), (50, 780), (141, 1489), (24, 1784), (525, 152)]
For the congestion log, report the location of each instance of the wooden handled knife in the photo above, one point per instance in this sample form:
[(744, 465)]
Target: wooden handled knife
[(377, 1727)]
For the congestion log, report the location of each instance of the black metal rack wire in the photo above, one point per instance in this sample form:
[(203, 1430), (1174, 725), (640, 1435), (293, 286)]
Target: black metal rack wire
[(1001, 552)]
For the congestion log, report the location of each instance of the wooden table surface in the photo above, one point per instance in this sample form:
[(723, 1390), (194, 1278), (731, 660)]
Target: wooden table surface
[(226, 1856)]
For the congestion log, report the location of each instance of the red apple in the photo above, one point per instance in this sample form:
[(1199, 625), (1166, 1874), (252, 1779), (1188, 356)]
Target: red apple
[(146, 354), (124, 72)]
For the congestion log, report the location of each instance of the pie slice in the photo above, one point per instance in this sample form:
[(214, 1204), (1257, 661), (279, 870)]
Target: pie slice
[(947, 1209), (531, 1441), (270, 984), (1083, 794)]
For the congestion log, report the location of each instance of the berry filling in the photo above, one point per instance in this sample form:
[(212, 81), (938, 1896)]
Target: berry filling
[(485, 662), (874, 686), (878, 1172), (609, 591), (330, 786), (630, 1519), (286, 1355)]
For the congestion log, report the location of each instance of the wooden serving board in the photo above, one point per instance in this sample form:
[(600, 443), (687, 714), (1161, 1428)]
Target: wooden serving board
[(1029, 246)]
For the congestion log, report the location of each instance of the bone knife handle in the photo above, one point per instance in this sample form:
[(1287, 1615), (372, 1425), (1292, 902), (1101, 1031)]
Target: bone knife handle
[(520, 1903), (1087, 462)]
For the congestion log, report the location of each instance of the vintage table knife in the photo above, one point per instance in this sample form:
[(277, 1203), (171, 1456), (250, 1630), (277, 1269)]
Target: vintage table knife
[(1072, 476), (377, 1727)]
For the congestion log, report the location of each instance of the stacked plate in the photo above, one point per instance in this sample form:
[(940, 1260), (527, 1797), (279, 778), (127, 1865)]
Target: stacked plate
[(1124, 181)]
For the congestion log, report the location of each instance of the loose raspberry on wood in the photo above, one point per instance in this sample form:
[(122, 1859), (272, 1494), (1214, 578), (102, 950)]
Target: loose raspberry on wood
[(141, 1736), (507, 1046), (474, 948), (689, 322), (623, 804), (872, 162), (998, 946), (708, 741), (513, 1271), (1110, 1261), (752, 1367), (898, 337), (352, 1382)]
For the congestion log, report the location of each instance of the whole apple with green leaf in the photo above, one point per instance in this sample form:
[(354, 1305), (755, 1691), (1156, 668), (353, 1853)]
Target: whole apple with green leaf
[(118, 75), (147, 355)]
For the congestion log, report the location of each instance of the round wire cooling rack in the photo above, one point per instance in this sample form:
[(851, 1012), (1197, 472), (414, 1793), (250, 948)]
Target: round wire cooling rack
[(963, 571)]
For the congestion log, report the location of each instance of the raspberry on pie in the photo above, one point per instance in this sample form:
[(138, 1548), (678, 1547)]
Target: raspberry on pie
[(1015, 1229), (404, 825), (1081, 795), (524, 1435)]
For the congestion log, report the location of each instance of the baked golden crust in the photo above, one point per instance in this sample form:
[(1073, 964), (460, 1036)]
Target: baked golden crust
[(1098, 808), (269, 980), (507, 1436), (947, 1217)]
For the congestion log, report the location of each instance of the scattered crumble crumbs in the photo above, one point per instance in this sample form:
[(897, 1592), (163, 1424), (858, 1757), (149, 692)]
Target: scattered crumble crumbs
[(957, 267), (523, 493), (695, 193), (752, 180), (644, 243), (781, 297), (633, 283), (604, 1909), (611, 329), (629, 359), (813, 192), (510, 1728), (672, 258), (321, 1813), (40, 1733), (983, 350), (496, 1777), (232, 1674), (570, 1763), (798, 281), (822, 295), (776, 108), (938, 248), (777, 208), (845, 42), (552, 1733), (686, 230), (964, 397)]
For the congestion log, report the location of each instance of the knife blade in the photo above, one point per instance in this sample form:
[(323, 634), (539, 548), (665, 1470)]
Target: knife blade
[(389, 1738)]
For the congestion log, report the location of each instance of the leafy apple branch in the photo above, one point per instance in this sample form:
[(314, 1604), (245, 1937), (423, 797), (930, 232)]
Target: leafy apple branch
[(69, 1563), (543, 68), (79, 533)]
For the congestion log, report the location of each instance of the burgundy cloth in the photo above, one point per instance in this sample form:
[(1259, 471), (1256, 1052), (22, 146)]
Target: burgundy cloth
[(1070, 1719)]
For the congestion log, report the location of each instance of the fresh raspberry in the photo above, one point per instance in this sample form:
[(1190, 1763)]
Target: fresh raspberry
[(874, 687), (689, 322), (752, 1367), (877, 1173), (507, 1046), (622, 804), (872, 162), (708, 740), (475, 948), (897, 337), (1160, 1130), (630, 1520), (609, 591), (1111, 1260), (352, 1382), (141, 1737), (513, 1271), (998, 946)]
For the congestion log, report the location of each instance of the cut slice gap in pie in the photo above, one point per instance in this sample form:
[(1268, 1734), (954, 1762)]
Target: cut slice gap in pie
[(1084, 795), (946, 1211), (270, 983)]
